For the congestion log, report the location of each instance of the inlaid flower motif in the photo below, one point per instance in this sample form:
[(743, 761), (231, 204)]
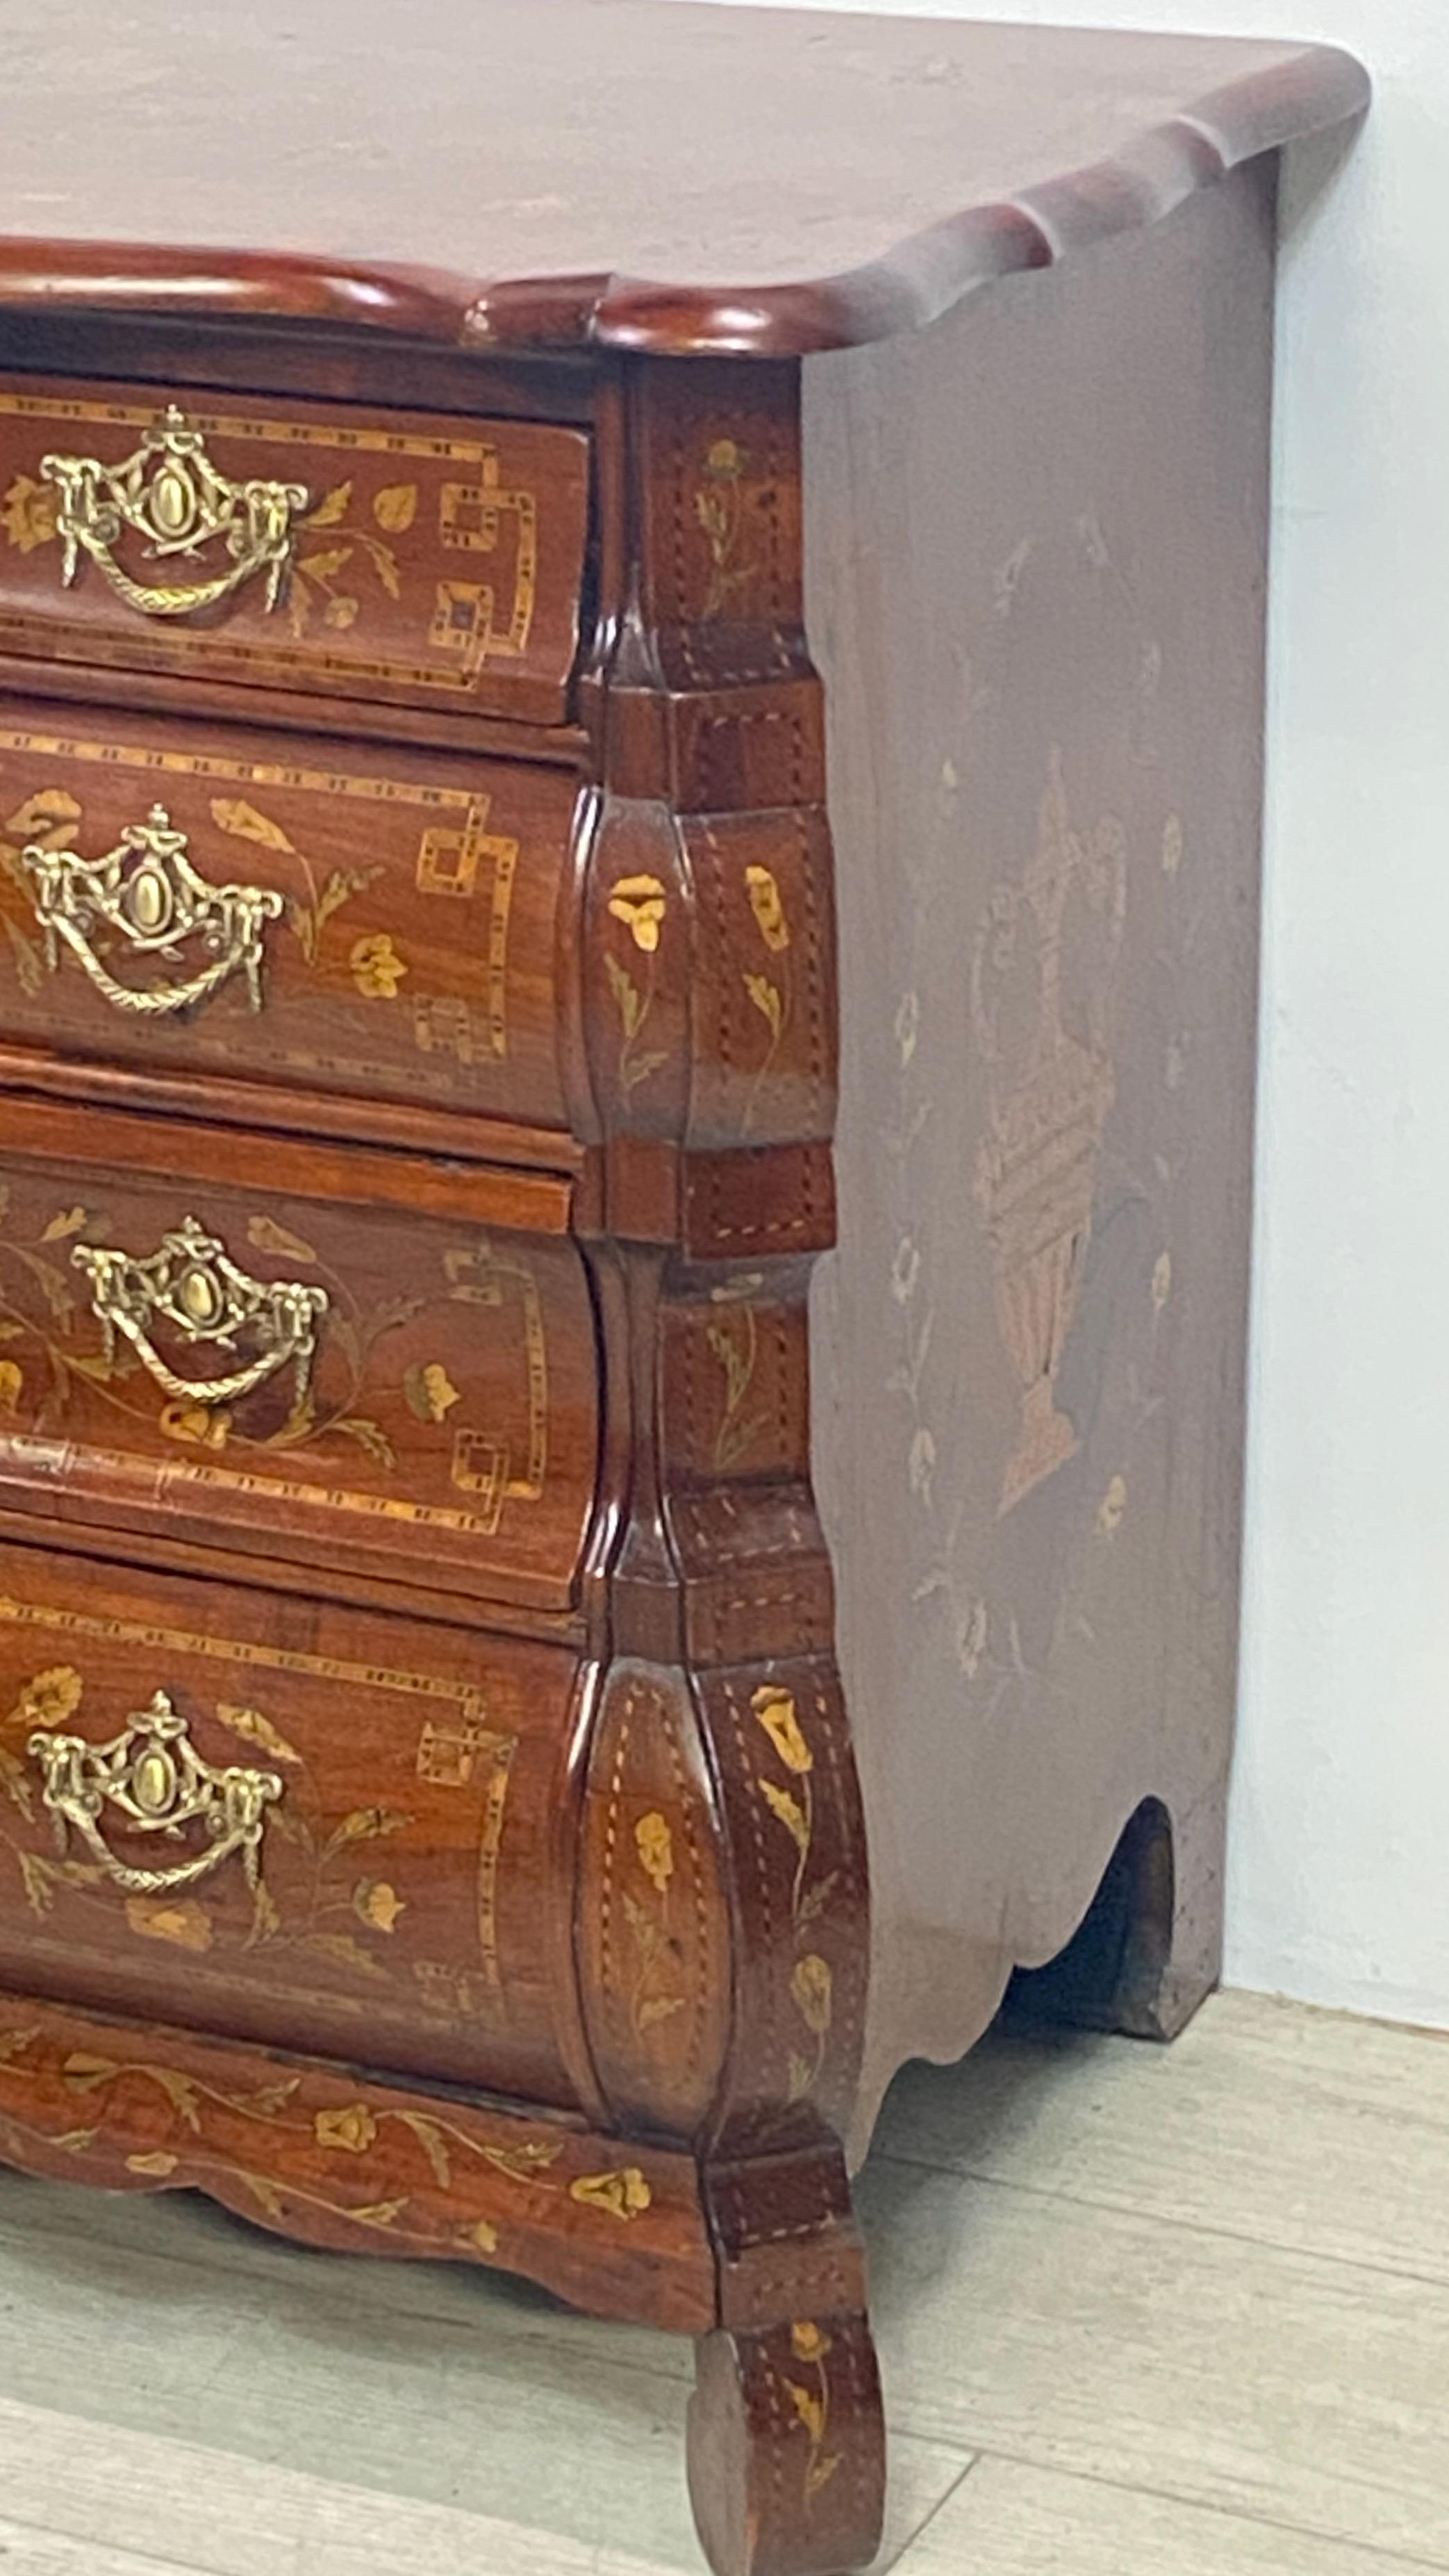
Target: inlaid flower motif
[(352, 2129), (807, 2341), (482, 2236), (639, 902), (377, 1904), (1112, 1508), (767, 906), (775, 1710), (12, 1381), (29, 512), (655, 1846), (812, 1986), (377, 970), (157, 2165), (51, 1698), (624, 2194)]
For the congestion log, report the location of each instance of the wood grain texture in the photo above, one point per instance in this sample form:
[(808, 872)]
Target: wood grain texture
[(307, 2147), (450, 1404), (811, 167), (431, 561), (1028, 1351), (923, 681), (415, 954), (411, 1868)]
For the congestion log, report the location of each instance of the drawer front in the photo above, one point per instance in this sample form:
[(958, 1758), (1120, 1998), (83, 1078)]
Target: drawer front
[(357, 1388), (308, 1827), (379, 926), (368, 556)]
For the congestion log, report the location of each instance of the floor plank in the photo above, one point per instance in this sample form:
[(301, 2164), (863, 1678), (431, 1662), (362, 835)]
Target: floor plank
[(1010, 2521), (299, 2367), (207, 2513), (1303, 2129), (1265, 2383)]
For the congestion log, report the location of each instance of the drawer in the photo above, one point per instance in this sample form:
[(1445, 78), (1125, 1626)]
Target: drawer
[(362, 1388), (309, 1828), (404, 558), (378, 926)]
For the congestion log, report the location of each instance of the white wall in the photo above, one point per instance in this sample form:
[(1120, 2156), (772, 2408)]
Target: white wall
[(1340, 1868)]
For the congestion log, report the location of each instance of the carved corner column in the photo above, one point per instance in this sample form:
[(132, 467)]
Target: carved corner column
[(722, 1928)]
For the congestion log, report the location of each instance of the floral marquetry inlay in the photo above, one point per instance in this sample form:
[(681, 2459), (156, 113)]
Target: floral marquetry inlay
[(1049, 1099)]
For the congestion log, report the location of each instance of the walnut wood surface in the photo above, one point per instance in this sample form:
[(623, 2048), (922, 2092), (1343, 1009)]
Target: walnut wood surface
[(1046, 781), (448, 1419), (437, 562), (411, 1869), (908, 770), (674, 178), (319, 2152), (417, 957)]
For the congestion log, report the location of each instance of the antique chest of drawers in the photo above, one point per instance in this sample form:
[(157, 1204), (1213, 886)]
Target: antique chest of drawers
[(628, 844)]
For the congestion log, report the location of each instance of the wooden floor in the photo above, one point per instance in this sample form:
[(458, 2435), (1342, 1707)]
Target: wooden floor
[(1181, 2311)]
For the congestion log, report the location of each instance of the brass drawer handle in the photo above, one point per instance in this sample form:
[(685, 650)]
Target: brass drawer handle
[(152, 1775), (147, 893), (171, 495), (190, 1282)]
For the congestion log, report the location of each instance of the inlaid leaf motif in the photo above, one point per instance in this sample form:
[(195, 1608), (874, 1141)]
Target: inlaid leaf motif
[(50, 816), (341, 1951), (17, 1786), (12, 1385), (767, 1001), (322, 567), (626, 994), (255, 1728), (157, 2165), (524, 2163), (265, 1235), (816, 1898), (82, 2072), (29, 513), (368, 1435), (352, 2128), (183, 1922), (38, 1882), (332, 507), (66, 1222), (234, 815), (808, 2407), (395, 507), (788, 1810), (265, 2194), (362, 1825), (433, 2143), (482, 2235)]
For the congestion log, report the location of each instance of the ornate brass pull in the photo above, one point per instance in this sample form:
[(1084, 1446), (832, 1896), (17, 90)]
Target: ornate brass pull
[(152, 1775), (170, 494), (147, 893), (192, 1285)]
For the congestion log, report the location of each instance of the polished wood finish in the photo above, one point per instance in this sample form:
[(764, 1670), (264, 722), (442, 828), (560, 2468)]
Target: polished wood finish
[(437, 561), (419, 954), (451, 1403), (675, 179), (786, 1033)]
